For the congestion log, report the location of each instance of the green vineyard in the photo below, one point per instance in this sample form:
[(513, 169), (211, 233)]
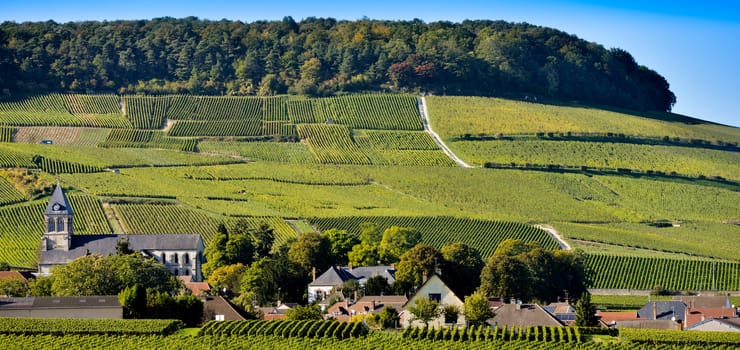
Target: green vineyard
[(486, 333), (148, 219), (630, 272), (286, 329), (484, 235), (287, 152), (146, 112), (217, 128), (67, 326), (9, 194), (128, 138), (21, 227), (332, 144), (373, 341), (62, 110), (384, 112)]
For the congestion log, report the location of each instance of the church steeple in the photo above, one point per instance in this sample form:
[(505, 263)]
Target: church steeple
[(58, 222)]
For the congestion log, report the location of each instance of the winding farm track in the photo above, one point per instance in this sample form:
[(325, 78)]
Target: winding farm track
[(556, 235), (428, 128)]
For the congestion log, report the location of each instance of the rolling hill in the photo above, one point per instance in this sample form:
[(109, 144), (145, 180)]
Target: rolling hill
[(657, 192)]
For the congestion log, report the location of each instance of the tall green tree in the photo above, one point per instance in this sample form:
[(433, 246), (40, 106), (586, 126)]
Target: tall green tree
[(419, 261), (364, 254), (524, 271), (395, 241), (340, 244), (586, 312), (462, 267), (228, 277), (476, 308), (264, 238), (425, 310), (96, 275), (377, 285), (133, 301), (307, 312), (310, 250)]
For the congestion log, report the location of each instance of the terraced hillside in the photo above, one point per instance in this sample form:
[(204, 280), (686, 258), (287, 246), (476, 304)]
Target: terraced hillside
[(659, 187)]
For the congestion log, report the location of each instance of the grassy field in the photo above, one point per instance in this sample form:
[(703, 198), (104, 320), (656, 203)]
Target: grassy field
[(682, 160), (457, 116), (699, 238)]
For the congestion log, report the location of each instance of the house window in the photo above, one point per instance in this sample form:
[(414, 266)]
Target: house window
[(186, 259), (164, 258), (435, 297)]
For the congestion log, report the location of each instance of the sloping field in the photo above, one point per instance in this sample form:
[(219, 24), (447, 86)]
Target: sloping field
[(457, 116), (363, 158)]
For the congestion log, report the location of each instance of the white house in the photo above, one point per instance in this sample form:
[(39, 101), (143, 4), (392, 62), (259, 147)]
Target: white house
[(335, 276), (182, 254), (435, 289)]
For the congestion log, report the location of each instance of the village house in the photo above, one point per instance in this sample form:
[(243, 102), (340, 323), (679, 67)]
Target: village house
[(271, 313), (334, 277), (435, 289), (181, 254), (518, 314), (343, 311), (716, 325), (563, 311)]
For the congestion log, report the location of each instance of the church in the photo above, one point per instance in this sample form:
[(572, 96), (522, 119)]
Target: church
[(181, 254)]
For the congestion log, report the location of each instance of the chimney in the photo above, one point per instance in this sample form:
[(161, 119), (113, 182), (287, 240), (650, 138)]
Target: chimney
[(373, 304), (350, 266), (655, 310), (424, 277), (355, 296), (686, 313), (702, 316), (313, 273), (393, 266)]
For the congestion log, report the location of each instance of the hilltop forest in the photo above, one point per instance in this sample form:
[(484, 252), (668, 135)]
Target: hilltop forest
[(322, 56)]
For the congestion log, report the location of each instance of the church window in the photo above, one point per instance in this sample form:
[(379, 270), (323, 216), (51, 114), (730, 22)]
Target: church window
[(60, 224), (174, 258), (186, 259), (50, 226), (164, 258), (187, 272)]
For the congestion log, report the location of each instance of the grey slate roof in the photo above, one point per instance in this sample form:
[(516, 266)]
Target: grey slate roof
[(106, 244), (664, 309), (527, 315), (58, 197), (60, 302), (335, 276), (732, 323)]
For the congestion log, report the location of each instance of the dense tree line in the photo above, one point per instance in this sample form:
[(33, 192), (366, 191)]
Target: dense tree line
[(322, 56)]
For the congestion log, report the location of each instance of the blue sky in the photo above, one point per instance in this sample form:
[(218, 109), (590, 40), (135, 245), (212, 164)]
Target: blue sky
[(695, 45)]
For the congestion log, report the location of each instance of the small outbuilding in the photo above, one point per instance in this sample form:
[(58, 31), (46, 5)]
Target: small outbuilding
[(97, 307)]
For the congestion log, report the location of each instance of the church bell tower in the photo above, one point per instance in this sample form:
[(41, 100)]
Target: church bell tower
[(58, 222)]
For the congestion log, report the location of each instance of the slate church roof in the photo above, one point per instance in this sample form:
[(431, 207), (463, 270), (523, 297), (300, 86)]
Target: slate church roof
[(58, 204), (106, 244)]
